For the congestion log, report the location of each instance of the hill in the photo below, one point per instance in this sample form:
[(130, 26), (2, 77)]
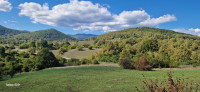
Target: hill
[(48, 34), (83, 36), (145, 32), (164, 48), (6, 33)]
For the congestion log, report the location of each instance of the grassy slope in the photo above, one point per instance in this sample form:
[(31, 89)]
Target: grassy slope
[(88, 79), (6, 33), (78, 54)]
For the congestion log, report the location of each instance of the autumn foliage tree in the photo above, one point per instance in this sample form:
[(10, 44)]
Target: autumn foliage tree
[(143, 64)]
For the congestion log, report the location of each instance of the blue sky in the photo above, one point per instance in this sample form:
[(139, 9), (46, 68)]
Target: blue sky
[(100, 16)]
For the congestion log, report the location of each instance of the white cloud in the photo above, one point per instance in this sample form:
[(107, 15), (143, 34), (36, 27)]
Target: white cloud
[(84, 15), (10, 21), (193, 31), (157, 21), (5, 6)]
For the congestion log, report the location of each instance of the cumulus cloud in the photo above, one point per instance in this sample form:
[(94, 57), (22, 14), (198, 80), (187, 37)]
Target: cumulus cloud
[(193, 31), (84, 15), (5, 6)]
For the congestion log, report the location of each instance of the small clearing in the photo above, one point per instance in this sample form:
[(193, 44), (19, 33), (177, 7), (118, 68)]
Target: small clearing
[(74, 53)]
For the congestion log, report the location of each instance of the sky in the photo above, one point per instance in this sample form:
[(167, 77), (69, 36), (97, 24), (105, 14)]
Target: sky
[(100, 16)]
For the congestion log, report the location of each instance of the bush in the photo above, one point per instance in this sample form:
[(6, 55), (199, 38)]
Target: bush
[(23, 46), (62, 50), (90, 47), (171, 85), (86, 45), (12, 46), (195, 64), (2, 51), (71, 47), (95, 61), (79, 48), (85, 61), (143, 64), (31, 50), (12, 68), (24, 54), (27, 65), (72, 61), (61, 60), (126, 63), (2, 64)]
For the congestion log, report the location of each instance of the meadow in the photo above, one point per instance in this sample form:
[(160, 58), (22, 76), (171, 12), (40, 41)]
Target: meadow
[(88, 79), (74, 53)]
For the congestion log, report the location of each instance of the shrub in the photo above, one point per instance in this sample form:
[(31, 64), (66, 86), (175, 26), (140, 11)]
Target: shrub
[(12, 46), (2, 64), (2, 51), (23, 46), (86, 45), (27, 65), (31, 50), (71, 47), (90, 47), (171, 85), (113, 58), (24, 54), (79, 48), (72, 61), (85, 61), (61, 60), (32, 44), (126, 63), (143, 64), (12, 68), (95, 61), (62, 50), (195, 64)]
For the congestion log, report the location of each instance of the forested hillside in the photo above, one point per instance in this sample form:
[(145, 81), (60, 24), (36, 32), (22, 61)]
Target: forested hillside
[(164, 48), (49, 34), (6, 33), (145, 32)]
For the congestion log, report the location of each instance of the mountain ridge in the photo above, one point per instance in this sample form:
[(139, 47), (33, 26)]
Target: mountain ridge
[(82, 36), (145, 32), (46, 34)]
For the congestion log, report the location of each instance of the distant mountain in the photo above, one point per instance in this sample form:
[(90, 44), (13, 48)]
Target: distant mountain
[(145, 33), (6, 33), (83, 36), (48, 34)]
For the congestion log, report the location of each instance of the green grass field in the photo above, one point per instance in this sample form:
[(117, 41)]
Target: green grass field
[(88, 79)]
